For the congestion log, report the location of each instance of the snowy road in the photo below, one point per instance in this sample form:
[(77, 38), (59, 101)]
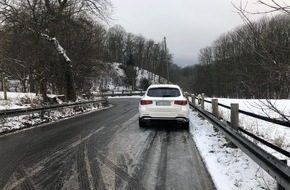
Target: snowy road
[(102, 150)]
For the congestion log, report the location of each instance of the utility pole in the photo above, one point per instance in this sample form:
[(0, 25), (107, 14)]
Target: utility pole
[(167, 64)]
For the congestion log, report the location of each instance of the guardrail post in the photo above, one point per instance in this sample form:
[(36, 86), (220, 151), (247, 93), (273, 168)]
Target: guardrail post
[(279, 186), (215, 109), (193, 99), (202, 101), (186, 95), (235, 115)]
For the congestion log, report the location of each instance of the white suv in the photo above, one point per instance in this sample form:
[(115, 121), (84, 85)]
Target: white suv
[(163, 102)]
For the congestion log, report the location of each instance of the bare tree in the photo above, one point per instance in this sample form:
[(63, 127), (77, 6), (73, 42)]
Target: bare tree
[(274, 46), (47, 19), (116, 43)]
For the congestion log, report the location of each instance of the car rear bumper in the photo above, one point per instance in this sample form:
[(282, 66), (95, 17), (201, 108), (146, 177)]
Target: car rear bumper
[(177, 119), (164, 113)]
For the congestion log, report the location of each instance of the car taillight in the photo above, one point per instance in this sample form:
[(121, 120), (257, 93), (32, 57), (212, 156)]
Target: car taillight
[(180, 102), (146, 102)]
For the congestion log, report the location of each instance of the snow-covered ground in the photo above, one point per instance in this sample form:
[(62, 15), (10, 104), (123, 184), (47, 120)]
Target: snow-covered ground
[(113, 81), (229, 167), (275, 134)]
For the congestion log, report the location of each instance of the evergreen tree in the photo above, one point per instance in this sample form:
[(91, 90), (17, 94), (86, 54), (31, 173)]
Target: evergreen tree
[(144, 84), (130, 72)]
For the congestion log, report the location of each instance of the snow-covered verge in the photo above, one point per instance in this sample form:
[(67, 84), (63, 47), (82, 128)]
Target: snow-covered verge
[(30, 100), (229, 167), (273, 133)]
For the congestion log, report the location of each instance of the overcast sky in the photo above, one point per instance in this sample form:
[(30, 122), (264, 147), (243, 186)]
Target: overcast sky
[(188, 25)]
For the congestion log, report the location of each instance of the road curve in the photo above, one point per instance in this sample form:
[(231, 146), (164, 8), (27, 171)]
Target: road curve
[(102, 150)]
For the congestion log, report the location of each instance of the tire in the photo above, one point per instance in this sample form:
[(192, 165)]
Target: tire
[(142, 124), (186, 125)]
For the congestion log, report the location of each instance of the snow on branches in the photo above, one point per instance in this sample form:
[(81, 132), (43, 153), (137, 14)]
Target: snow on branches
[(57, 46)]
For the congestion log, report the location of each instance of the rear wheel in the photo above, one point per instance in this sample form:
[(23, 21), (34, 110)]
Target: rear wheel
[(142, 123), (186, 124)]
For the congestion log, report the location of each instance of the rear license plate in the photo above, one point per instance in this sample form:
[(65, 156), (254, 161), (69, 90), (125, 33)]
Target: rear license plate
[(162, 103)]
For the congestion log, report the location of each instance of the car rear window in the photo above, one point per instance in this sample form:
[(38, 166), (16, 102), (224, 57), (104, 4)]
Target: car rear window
[(163, 92)]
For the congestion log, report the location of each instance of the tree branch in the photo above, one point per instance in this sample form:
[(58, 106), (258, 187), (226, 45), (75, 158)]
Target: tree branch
[(57, 46)]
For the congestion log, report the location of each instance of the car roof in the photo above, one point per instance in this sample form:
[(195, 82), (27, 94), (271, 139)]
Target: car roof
[(163, 86)]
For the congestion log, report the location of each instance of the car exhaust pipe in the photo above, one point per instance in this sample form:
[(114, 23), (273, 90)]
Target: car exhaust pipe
[(181, 120)]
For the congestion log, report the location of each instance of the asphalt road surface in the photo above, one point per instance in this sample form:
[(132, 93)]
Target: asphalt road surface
[(102, 150)]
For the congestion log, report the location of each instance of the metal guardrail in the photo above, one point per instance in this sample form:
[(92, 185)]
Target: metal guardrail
[(113, 94), (276, 168), (271, 120), (279, 122), (18, 112)]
